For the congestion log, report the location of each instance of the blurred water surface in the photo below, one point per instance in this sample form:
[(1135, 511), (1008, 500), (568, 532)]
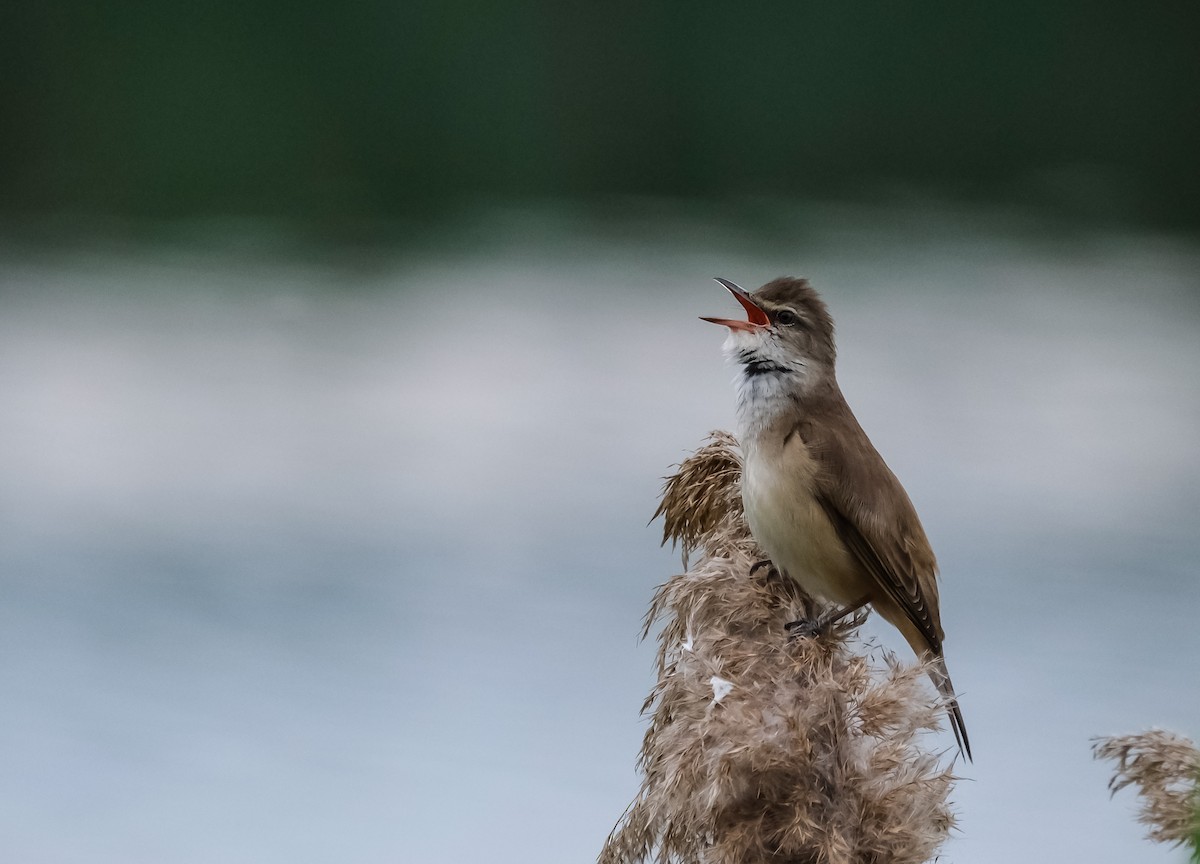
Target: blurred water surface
[(311, 561)]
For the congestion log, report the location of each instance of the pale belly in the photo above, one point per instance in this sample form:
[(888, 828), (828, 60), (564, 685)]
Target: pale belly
[(794, 531)]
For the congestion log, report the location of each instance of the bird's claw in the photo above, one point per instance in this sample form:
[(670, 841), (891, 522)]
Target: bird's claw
[(806, 628), (772, 573)]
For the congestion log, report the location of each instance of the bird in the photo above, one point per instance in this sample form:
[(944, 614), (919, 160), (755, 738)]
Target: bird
[(818, 498)]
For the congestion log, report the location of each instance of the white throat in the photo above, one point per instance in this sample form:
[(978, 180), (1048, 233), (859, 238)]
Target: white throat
[(768, 381), (761, 399)]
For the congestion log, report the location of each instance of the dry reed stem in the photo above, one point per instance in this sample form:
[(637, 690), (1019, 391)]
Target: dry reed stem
[(1166, 770), (762, 748)]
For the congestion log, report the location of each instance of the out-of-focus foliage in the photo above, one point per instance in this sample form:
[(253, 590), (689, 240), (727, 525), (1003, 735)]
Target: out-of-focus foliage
[(364, 109)]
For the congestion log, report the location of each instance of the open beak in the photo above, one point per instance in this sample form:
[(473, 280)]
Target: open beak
[(756, 317)]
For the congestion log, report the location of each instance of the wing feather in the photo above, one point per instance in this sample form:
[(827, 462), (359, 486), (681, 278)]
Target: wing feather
[(875, 519)]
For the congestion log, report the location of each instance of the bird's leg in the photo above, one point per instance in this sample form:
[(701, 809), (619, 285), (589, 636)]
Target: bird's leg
[(818, 626), (834, 617)]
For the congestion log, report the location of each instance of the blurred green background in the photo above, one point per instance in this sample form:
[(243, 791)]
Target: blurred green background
[(335, 113), (343, 348)]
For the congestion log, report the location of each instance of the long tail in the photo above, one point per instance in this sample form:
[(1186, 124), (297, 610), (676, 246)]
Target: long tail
[(941, 680)]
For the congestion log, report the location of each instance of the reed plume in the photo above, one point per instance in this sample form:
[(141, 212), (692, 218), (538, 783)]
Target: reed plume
[(763, 748), (1165, 768)]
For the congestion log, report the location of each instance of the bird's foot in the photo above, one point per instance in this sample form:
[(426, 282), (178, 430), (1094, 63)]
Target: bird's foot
[(815, 625), (772, 574), (807, 628)]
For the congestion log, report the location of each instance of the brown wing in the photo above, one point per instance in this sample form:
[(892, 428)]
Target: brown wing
[(873, 516)]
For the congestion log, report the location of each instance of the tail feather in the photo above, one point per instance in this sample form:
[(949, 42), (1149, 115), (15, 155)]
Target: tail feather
[(941, 680)]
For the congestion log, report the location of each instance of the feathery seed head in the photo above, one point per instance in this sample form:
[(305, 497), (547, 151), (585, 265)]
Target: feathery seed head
[(1166, 769)]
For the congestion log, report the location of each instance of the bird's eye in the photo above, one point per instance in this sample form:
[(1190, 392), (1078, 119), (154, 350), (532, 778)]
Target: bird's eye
[(787, 318)]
